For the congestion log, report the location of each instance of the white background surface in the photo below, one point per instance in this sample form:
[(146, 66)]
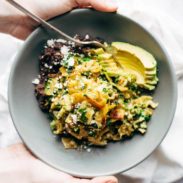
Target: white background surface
[(164, 19)]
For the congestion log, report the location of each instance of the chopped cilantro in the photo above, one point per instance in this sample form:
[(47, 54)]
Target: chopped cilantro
[(108, 123), (69, 69), (86, 73), (83, 117), (116, 79), (91, 133), (65, 63), (47, 83), (86, 59), (63, 79), (53, 125), (133, 87), (94, 125), (65, 92), (103, 77), (116, 102), (147, 117), (76, 130), (105, 90), (57, 106), (120, 95)]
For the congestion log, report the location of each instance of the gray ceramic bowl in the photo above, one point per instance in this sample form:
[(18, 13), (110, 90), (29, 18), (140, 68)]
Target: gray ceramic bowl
[(33, 125)]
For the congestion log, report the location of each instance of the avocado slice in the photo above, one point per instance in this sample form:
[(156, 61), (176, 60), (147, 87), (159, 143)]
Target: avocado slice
[(152, 72), (110, 66), (144, 56), (107, 63), (132, 65), (126, 58), (152, 81), (150, 77), (148, 86)]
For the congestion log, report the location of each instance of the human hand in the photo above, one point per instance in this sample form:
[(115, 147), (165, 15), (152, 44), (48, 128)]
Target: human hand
[(19, 25), (18, 165)]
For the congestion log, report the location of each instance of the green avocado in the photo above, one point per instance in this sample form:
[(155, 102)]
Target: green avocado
[(151, 72), (126, 58), (150, 77), (137, 61), (131, 64), (152, 81), (144, 56), (148, 86)]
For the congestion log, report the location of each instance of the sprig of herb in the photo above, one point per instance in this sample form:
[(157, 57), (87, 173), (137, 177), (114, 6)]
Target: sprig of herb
[(84, 59), (83, 117)]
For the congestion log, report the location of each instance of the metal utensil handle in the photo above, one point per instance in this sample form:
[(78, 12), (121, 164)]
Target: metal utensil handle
[(47, 25), (41, 21)]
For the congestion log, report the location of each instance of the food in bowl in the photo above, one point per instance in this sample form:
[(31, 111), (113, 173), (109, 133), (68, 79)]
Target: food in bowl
[(93, 95)]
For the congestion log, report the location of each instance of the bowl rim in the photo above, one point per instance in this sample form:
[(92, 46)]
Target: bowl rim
[(71, 172)]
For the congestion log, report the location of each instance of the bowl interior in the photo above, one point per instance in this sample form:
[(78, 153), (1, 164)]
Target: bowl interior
[(33, 125)]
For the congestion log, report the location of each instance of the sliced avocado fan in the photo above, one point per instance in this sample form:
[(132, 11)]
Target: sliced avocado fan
[(144, 56), (137, 61)]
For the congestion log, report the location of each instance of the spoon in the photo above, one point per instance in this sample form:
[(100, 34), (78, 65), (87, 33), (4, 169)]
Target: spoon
[(49, 26)]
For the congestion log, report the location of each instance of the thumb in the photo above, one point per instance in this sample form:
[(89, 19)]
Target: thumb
[(101, 5), (107, 179)]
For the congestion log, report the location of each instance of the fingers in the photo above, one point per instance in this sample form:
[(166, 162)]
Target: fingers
[(107, 179), (14, 151), (40, 171), (101, 5), (21, 32)]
